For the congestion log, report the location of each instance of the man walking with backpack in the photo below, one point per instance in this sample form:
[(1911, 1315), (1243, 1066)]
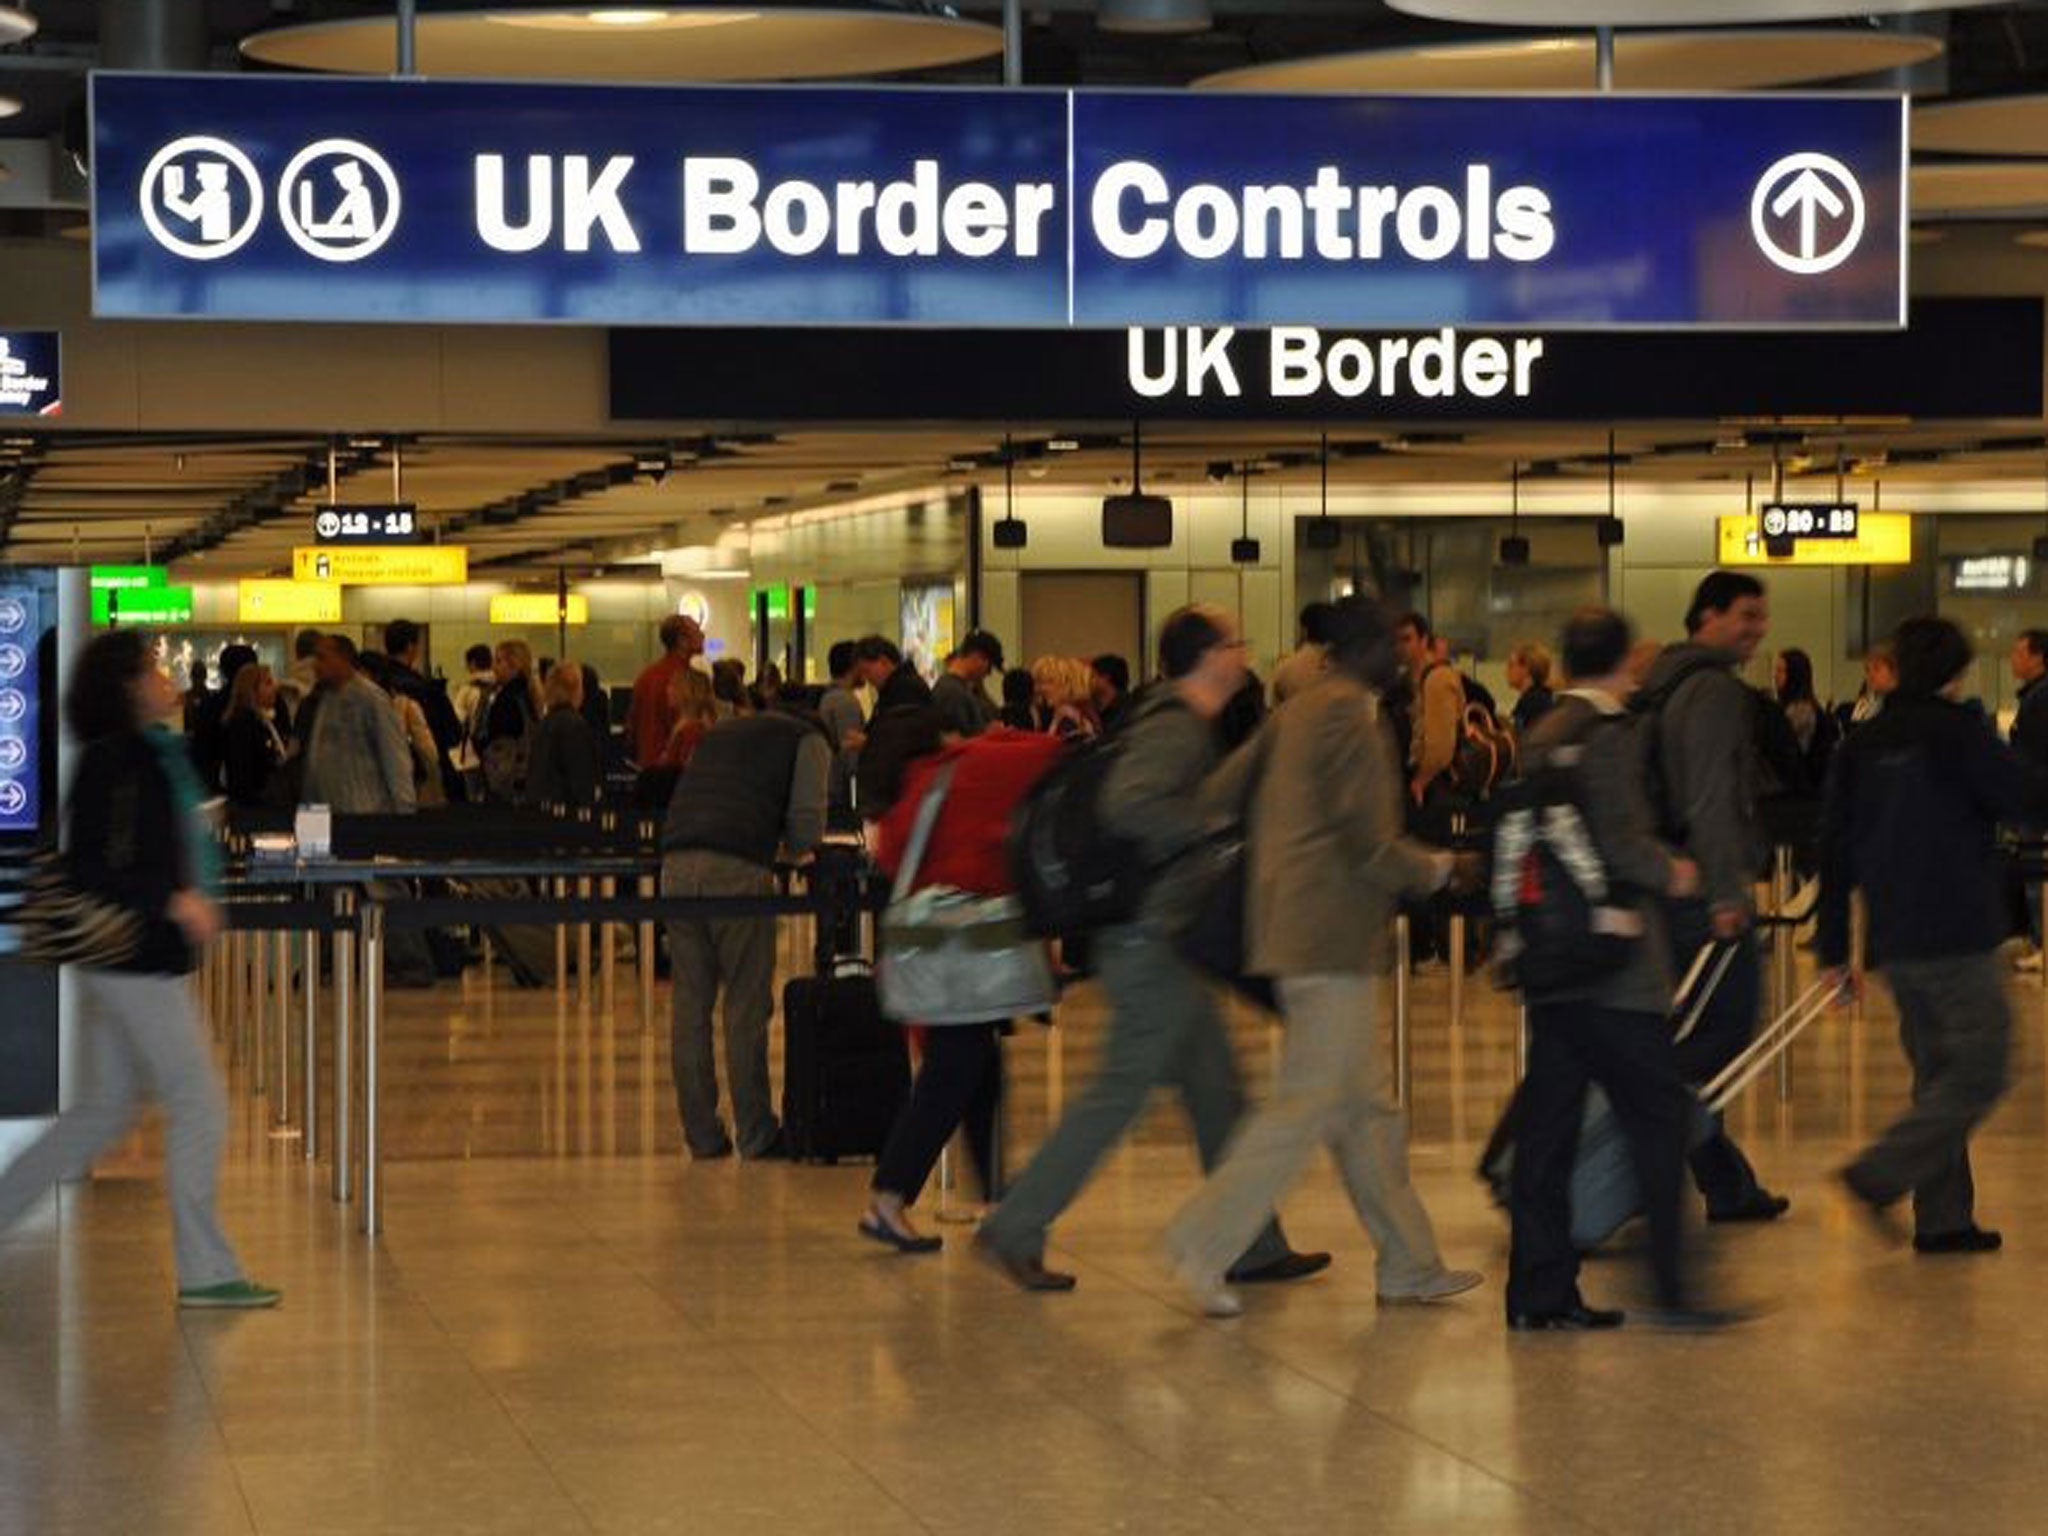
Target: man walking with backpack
[(1165, 1028), (1597, 993), (1703, 778)]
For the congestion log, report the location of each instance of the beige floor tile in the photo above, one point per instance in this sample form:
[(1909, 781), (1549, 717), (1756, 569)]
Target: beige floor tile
[(405, 1494)]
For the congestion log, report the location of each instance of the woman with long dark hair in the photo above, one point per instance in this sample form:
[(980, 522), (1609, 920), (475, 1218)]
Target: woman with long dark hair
[(139, 841), (1812, 726)]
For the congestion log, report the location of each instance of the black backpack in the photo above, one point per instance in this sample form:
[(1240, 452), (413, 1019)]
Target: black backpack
[(1560, 920), (1072, 875), (1782, 772)]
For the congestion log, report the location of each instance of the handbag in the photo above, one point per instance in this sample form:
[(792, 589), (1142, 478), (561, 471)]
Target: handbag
[(953, 957), (57, 923), (1213, 942)]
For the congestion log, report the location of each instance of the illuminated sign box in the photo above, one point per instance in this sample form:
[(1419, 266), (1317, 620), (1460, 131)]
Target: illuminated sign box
[(539, 608), (1881, 538), (29, 377), (384, 565), (258, 197), (1990, 574), (142, 605), (272, 600)]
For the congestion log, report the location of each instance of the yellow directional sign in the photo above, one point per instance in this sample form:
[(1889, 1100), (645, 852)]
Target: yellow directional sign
[(538, 608), (384, 565), (1882, 538), (266, 600)]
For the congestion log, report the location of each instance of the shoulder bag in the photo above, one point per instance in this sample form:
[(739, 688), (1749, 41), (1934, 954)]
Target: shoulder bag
[(950, 956)]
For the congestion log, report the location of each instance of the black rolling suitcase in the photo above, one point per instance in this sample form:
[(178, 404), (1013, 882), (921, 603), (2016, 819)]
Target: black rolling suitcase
[(1605, 1196), (845, 1068)]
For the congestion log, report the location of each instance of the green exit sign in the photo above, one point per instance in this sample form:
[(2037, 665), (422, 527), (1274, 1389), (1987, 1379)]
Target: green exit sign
[(142, 605)]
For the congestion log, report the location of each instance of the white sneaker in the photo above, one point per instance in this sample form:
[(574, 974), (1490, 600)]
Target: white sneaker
[(1212, 1298), (1441, 1286)]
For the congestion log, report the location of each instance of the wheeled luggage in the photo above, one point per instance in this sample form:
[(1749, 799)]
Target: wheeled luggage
[(845, 1067), (1604, 1193)]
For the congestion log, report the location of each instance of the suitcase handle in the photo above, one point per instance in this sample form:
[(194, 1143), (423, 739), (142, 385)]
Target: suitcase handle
[(1702, 980), (1724, 1087)]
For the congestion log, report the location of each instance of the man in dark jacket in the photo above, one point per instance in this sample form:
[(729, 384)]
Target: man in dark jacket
[(755, 784), (1165, 1028), (1704, 792), (961, 695), (1913, 807), (905, 725), (403, 643)]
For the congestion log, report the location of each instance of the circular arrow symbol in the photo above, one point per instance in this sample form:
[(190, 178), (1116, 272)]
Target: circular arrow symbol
[(13, 616), (13, 753), (1795, 196), (13, 798)]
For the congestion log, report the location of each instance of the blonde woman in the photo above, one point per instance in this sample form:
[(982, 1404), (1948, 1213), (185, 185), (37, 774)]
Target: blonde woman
[(512, 723), (252, 749), (696, 711), (1529, 668), (1065, 692), (567, 767)]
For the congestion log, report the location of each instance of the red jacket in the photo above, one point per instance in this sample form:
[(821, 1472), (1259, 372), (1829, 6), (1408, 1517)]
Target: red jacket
[(993, 772)]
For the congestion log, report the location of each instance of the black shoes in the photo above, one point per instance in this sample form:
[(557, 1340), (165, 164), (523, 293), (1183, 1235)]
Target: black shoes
[(1971, 1239), (1760, 1205), (1026, 1274), (877, 1228), (1579, 1319), (1289, 1266)]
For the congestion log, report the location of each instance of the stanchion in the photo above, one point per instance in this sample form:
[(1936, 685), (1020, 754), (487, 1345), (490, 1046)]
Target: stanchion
[(1521, 1041), (258, 1024), (373, 1029), (1404, 1064), (1455, 961), (281, 965), (646, 958), (344, 1027), (1785, 956), (310, 1045)]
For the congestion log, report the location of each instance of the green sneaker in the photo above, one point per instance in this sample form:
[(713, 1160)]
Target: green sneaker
[(244, 1295)]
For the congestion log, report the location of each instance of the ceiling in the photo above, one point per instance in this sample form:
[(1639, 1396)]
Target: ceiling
[(241, 503)]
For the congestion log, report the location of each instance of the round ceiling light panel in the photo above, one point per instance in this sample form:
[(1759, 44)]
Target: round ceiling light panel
[(1988, 189), (1991, 125), (649, 43), (1663, 13), (15, 25), (1734, 60), (10, 106)]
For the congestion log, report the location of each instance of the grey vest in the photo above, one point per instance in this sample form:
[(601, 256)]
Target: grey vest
[(734, 796)]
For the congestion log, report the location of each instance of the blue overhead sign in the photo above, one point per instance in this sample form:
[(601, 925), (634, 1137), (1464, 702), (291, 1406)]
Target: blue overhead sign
[(320, 199), (31, 382)]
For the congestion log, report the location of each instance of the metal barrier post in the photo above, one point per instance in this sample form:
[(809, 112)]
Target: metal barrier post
[(646, 957), (1456, 958), (1521, 1041), (281, 964), (310, 1065), (1404, 1065), (344, 1027), (373, 1028), (238, 982), (259, 1014), (1785, 955)]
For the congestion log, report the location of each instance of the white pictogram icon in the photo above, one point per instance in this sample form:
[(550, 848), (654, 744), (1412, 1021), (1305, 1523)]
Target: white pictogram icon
[(12, 706), (1815, 200), (13, 753), (13, 616), (13, 662), (327, 525), (13, 798), (191, 201), (339, 200)]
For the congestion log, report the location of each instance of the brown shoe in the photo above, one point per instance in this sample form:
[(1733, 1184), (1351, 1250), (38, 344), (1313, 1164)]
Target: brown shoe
[(1026, 1274)]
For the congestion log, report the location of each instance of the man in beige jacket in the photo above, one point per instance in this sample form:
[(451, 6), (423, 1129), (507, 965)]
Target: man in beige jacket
[(1328, 864)]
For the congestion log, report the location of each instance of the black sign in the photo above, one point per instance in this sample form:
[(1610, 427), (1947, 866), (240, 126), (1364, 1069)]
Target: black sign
[(1807, 520), (30, 384), (369, 524), (1960, 359)]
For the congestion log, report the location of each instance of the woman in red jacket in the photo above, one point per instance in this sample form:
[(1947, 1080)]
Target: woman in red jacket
[(960, 1072)]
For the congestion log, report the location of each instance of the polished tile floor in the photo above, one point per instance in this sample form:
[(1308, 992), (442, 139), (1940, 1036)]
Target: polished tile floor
[(567, 1328)]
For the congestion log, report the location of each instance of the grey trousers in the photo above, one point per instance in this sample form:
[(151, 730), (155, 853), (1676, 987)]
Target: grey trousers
[(144, 1037), (739, 954), (1165, 1030), (1956, 1028), (1335, 1090)]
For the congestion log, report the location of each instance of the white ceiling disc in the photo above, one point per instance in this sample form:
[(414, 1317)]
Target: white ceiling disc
[(1991, 125), (1985, 189), (15, 25), (1728, 60), (654, 43), (1662, 13)]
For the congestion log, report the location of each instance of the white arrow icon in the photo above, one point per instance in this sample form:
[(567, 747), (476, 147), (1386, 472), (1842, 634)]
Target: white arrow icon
[(1810, 186)]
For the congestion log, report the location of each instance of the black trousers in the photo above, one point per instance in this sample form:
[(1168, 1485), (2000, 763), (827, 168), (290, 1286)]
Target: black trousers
[(959, 1082), (1723, 1174), (1630, 1056)]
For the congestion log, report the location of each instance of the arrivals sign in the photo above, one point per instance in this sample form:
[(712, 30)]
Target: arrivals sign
[(383, 565), (1880, 538), (30, 384), (277, 600), (323, 199)]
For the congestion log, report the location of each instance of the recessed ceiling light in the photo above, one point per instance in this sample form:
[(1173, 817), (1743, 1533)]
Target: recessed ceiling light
[(15, 24), (648, 19), (10, 106)]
